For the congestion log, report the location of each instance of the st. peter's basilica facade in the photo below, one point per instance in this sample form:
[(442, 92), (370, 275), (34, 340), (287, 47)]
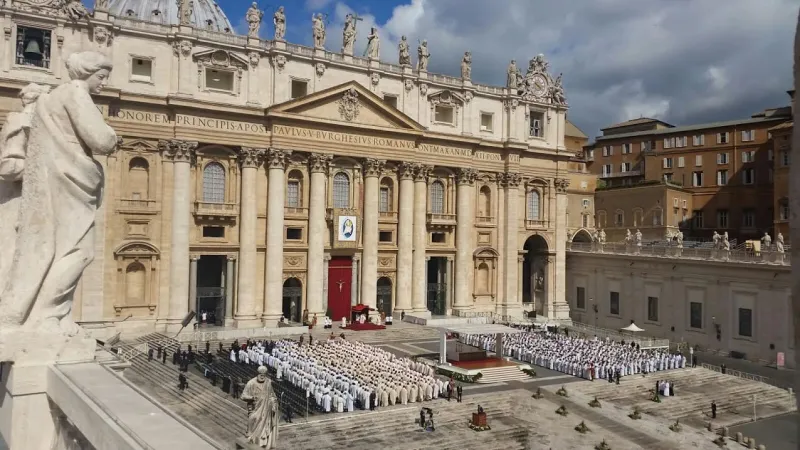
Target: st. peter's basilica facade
[(258, 178)]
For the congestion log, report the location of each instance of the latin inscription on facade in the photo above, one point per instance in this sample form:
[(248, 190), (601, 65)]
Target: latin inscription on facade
[(488, 156), (442, 150), (130, 115), (342, 138), (220, 124)]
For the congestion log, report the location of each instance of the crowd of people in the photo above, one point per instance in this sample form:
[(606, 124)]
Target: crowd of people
[(585, 358)]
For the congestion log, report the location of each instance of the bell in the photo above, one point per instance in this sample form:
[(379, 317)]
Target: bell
[(32, 50)]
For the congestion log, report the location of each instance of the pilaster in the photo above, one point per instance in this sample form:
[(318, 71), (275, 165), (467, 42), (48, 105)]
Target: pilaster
[(317, 228), (369, 265), (510, 303), (560, 306), (249, 159), (273, 266), (420, 241), (405, 238)]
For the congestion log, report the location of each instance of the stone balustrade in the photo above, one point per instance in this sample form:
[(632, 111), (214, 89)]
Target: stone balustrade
[(686, 252)]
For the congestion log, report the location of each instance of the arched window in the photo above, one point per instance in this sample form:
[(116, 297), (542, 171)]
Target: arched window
[(601, 219), (139, 179), (637, 218), (135, 283), (482, 279), (386, 195), (294, 189), (437, 197), (534, 205), (214, 183), (657, 217), (341, 190), (485, 204)]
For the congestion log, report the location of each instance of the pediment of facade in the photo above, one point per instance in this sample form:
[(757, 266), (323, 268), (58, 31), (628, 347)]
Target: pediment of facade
[(349, 103)]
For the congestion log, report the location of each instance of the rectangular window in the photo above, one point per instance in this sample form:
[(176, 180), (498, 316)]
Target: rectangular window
[(585, 221), (438, 238), (384, 200), (698, 160), (749, 218), (748, 135), (293, 194), (608, 150), (697, 178), (681, 161), (580, 298), (722, 177), (722, 158), (626, 149), (537, 124), (625, 167), (586, 202), (299, 88), (784, 211), (723, 138), (652, 309), (667, 164), (220, 80), (33, 47), (385, 237), (648, 146), (697, 218), (141, 69), (668, 176), (657, 219), (390, 100), (749, 156), (745, 322), (444, 114), (722, 218), (613, 303), (698, 140), (487, 122), (607, 169), (696, 315), (619, 219), (214, 232), (785, 158), (669, 143), (680, 142), (770, 155), (749, 176), (294, 234)]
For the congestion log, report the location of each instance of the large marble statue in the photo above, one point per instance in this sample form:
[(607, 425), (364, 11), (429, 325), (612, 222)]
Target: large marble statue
[(423, 56), (373, 44), (513, 76), (557, 92), (62, 188), (13, 147), (405, 55), (185, 11), (253, 17), (75, 10), (262, 410), (779, 242), (766, 241), (349, 34), (100, 5), (318, 31), (466, 66), (279, 19)]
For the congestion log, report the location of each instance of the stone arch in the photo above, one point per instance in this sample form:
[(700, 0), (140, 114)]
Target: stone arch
[(387, 189), (582, 235), (485, 272), (485, 201), (137, 266), (214, 182), (535, 271), (216, 149), (295, 188), (135, 284), (385, 300), (138, 179), (136, 248), (437, 197), (292, 305)]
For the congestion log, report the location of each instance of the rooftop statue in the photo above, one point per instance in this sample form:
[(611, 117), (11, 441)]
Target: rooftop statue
[(62, 187), (373, 44), (466, 66), (318, 30), (253, 17), (349, 34), (404, 58), (279, 19), (423, 56)]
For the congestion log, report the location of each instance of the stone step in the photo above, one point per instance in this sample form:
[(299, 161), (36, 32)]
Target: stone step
[(501, 374)]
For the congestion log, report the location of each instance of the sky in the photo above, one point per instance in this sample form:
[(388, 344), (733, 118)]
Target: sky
[(681, 61)]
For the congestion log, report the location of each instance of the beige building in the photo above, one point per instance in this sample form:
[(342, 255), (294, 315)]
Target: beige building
[(258, 178), (733, 306)]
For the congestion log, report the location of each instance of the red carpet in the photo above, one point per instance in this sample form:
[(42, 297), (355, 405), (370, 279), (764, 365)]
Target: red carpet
[(484, 364), (365, 327)]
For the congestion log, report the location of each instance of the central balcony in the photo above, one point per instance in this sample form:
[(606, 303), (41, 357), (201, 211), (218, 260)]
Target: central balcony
[(216, 211), (387, 217), (294, 212), (535, 224), (441, 220), (137, 206)]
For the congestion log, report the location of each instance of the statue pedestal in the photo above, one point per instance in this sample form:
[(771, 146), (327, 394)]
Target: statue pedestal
[(479, 419), (27, 417)]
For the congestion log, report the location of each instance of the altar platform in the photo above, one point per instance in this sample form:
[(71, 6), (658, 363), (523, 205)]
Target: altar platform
[(464, 353)]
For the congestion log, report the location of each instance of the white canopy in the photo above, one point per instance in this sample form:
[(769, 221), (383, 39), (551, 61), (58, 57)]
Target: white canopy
[(632, 328)]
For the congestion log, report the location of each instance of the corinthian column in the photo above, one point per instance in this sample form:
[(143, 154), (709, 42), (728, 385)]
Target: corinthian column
[(418, 266), (182, 154), (405, 236), (273, 266), (560, 306), (249, 158), (465, 219), (510, 304), (317, 228), (369, 265)]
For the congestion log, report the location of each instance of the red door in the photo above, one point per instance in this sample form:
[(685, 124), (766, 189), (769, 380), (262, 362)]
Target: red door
[(340, 277)]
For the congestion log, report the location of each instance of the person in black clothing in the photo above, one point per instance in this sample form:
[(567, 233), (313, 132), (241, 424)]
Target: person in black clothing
[(722, 368), (164, 357), (235, 388), (226, 384), (459, 391), (182, 382), (208, 347), (175, 357), (372, 397), (220, 347), (190, 348), (158, 352), (149, 354), (213, 378), (694, 360), (288, 417), (422, 418), (617, 374), (713, 409)]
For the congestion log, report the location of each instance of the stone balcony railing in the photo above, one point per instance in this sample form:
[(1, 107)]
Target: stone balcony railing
[(484, 220), (535, 224), (295, 212), (220, 210), (441, 219), (138, 206), (687, 252), (387, 216)]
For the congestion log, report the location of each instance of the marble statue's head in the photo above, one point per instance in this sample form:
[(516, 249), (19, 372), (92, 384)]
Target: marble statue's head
[(31, 93), (91, 67), (262, 374), (280, 9)]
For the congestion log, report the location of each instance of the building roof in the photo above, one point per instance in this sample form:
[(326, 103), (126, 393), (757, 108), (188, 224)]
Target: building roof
[(639, 121), (208, 15), (573, 131), (783, 126), (687, 128)]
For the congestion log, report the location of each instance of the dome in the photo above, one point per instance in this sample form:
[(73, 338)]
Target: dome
[(207, 13)]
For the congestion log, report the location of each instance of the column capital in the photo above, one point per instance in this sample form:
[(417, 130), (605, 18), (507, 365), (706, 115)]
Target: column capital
[(467, 176), (521, 258), (319, 162), (422, 172), (510, 179), (277, 158), (561, 185), (326, 257), (232, 258), (356, 257), (451, 258), (406, 170), (194, 258), (373, 167), (251, 157), (177, 150)]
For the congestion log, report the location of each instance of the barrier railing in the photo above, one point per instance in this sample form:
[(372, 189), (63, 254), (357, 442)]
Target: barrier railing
[(736, 373), (643, 342), (673, 251)]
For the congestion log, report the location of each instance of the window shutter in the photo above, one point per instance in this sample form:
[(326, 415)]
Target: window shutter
[(664, 163), (719, 138)]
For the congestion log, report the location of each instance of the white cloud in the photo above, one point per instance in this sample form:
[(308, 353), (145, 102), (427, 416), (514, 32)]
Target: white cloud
[(314, 5), (681, 61)]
